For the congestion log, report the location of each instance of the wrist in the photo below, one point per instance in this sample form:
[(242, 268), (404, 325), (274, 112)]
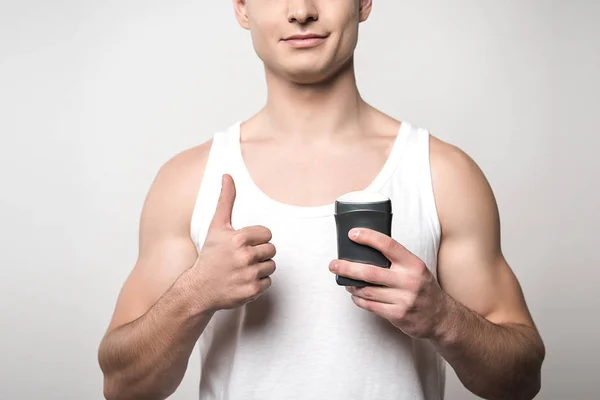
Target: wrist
[(191, 294), (445, 330)]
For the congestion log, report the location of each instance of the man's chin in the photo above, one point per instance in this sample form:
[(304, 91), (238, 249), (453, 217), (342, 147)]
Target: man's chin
[(309, 76)]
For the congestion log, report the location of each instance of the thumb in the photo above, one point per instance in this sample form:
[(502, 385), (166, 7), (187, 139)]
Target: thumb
[(224, 208)]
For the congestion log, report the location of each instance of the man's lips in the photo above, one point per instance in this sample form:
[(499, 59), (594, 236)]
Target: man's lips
[(305, 40)]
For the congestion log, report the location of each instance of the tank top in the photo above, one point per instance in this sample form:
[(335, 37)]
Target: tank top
[(304, 338)]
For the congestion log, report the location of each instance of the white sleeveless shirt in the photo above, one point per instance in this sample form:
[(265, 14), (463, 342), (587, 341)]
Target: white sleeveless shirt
[(304, 338)]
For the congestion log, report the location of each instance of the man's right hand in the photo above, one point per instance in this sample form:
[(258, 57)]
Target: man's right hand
[(233, 266), (174, 289)]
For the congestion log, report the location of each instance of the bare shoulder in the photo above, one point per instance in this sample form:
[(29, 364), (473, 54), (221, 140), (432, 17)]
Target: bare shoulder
[(463, 194), (453, 163), (172, 195), (471, 266), (183, 167)]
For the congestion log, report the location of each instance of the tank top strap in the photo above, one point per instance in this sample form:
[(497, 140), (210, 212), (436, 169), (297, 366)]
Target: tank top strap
[(412, 177), (217, 164)]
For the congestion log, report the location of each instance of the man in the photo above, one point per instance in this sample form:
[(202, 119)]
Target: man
[(238, 249)]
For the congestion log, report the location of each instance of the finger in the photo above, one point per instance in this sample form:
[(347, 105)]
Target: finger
[(264, 252), (255, 235), (264, 284), (390, 248), (363, 272), (382, 309), (266, 269), (222, 216), (379, 294)]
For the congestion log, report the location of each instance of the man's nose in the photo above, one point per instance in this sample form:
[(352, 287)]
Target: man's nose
[(302, 11)]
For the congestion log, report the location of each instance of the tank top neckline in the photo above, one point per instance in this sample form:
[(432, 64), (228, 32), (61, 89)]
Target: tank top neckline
[(243, 179)]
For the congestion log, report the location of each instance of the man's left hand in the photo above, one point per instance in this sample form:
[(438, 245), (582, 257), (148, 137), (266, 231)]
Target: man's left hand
[(409, 296)]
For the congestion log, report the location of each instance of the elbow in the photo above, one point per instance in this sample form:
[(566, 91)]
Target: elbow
[(120, 386), (120, 383), (111, 391), (528, 389), (521, 391), (533, 385), (533, 390), (116, 388), (532, 382), (524, 383), (525, 391), (528, 383), (526, 386), (113, 387)]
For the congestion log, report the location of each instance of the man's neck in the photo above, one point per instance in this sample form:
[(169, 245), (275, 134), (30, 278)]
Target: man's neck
[(308, 111)]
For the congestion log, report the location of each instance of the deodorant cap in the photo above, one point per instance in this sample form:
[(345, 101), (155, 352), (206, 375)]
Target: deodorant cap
[(363, 201)]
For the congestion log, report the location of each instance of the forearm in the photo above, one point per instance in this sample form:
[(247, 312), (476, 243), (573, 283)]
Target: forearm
[(147, 358), (496, 362)]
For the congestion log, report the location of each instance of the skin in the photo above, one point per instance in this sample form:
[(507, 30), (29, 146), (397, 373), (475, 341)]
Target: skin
[(473, 312)]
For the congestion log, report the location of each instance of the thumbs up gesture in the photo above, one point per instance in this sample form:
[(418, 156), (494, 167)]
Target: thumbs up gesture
[(234, 265)]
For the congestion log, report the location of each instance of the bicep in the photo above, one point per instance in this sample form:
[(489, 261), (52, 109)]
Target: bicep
[(471, 266), (153, 274), (166, 249), (484, 283)]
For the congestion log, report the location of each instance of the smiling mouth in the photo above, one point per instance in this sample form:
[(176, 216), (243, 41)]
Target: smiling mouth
[(305, 40)]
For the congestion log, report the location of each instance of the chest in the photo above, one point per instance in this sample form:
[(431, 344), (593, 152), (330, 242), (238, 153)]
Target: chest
[(306, 246), (315, 174)]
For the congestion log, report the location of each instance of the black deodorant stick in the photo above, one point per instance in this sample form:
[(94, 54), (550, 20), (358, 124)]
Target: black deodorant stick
[(361, 210)]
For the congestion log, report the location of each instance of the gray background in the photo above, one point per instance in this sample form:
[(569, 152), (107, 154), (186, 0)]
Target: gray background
[(96, 95)]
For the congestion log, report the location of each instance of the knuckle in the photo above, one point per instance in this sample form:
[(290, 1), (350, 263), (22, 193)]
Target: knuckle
[(249, 275), (365, 304), (389, 244), (253, 289), (371, 235), (239, 239), (412, 284), (246, 256), (373, 274), (420, 267), (256, 273), (346, 268), (411, 300), (399, 313)]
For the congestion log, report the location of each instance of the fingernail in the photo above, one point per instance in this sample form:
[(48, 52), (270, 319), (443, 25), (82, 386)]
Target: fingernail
[(333, 266), (354, 233)]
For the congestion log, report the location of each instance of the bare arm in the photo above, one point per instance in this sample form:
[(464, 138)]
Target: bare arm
[(474, 313), (145, 352), (487, 334)]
